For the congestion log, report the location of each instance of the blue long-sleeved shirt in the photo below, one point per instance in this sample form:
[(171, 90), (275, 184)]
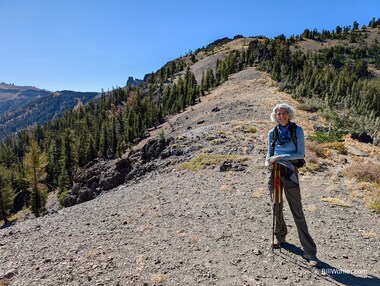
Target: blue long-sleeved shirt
[(288, 150)]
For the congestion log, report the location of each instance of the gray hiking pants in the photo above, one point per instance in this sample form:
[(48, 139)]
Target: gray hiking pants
[(293, 196)]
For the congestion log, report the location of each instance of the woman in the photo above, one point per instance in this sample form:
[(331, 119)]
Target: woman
[(285, 150)]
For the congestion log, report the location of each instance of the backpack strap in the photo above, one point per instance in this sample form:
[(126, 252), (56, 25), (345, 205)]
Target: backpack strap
[(274, 139), (293, 134)]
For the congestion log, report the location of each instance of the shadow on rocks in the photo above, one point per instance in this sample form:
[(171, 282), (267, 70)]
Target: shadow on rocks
[(8, 224), (328, 272), (346, 276)]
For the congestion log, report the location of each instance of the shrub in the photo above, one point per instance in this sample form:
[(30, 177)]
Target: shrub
[(367, 172), (252, 129), (312, 158), (317, 148), (310, 105), (323, 137), (374, 201), (61, 198), (338, 146)]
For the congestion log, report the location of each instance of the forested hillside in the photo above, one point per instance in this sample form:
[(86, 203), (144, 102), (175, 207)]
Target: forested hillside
[(13, 96), (25, 107), (335, 72)]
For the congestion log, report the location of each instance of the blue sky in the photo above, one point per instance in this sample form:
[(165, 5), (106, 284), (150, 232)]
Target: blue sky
[(87, 45)]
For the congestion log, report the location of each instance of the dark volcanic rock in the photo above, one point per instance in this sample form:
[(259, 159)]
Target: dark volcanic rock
[(362, 137), (115, 179), (231, 166), (85, 195), (153, 148), (69, 200), (100, 175)]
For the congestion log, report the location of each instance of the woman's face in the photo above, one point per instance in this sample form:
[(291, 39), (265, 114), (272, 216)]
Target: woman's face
[(282, 116)]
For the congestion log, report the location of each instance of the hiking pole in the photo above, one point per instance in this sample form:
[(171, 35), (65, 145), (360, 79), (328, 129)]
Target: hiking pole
[(277, 198), (274, 201)]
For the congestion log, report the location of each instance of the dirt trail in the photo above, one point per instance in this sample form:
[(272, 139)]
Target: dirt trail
[(208, 227)]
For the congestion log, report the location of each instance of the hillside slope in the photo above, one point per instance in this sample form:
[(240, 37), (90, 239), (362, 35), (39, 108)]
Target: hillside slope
[(13, 96), (209, 227), (21, 107)]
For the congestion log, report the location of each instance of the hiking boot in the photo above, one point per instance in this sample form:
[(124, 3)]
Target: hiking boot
[(278, 242), (312, 259)]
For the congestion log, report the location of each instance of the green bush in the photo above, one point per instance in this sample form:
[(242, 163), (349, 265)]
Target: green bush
[(323, 137)]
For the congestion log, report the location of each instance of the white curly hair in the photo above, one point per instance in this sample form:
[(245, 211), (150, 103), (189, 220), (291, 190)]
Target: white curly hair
[(286, 106)]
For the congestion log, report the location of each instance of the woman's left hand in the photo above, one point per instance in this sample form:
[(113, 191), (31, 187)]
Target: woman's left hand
[(274, 159)]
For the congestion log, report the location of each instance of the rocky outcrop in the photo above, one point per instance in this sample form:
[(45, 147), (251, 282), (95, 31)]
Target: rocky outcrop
[(99, 176), (231, 166), (362, 137), (134, 82)]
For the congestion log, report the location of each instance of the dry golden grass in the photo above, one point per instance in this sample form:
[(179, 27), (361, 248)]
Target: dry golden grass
[(359, 193), (259, 193), (218, 141), (221, 132), (4, 282), (140, 260), (337, 202), (316, 148), (245, 150), (194, 239), (364, 172), (311, 167), (158, 278), (251, 129), (210, 137), (180, 233), (374, 201), (202, 160), (338, 146), (224, 188), (144, 226), (311, 208), (244, 126), (16, 216), (91, 253), (368, 234), (311, 157)]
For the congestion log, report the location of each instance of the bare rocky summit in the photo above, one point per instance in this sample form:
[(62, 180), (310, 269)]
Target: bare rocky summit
[(175, 225)]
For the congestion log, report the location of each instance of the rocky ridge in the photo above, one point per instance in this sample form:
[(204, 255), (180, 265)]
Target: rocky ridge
[(169, 225)]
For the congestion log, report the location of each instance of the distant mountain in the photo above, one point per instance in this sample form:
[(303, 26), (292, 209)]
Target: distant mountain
[(13, 96), (23, 106)]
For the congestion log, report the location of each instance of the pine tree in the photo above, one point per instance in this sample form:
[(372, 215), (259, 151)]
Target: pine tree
[(6, 194), (355, 26), (67, 163), (63, 185), (203, 84), (35, 162), (104, 141), (68, 159), (90, 152), (53, 161)]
